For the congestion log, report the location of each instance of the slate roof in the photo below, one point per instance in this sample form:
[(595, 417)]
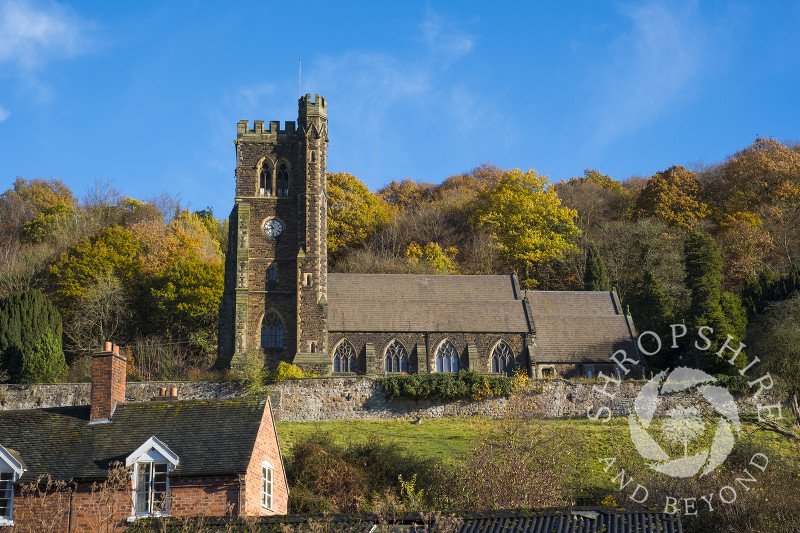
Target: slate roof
[(570, 520), (210, 437), (571, 326), (409, 302), (580, 326)]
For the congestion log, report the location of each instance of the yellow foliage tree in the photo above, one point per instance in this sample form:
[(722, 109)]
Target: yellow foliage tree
[(527, 222), (441, 261), (673, 196), (354, 213)]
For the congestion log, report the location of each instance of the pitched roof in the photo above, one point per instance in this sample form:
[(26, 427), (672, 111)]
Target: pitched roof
[(570, 520), (579, 326), (410, 302), (210, 437)]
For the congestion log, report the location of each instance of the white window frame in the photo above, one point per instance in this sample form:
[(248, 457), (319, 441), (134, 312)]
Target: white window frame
[(9, 464), (267, 485), (152, 453)]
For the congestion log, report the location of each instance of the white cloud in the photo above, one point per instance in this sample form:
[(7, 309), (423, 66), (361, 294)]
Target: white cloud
[(4, 113), (32, 35), (444, 38), (651, 69)]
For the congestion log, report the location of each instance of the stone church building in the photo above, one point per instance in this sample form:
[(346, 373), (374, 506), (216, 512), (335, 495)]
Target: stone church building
[(280, 298)]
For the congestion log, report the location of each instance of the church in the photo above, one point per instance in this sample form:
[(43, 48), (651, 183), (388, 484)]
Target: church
[(279, 297)]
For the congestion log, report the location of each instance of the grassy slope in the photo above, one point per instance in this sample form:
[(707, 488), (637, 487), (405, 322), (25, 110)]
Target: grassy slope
[(449, 439)]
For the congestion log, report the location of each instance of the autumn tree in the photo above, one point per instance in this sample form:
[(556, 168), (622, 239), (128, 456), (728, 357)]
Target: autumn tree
[(673, 196), (185, 296), (111, 252), (757, 175), (746, 245), (354, 213), (526, 220)]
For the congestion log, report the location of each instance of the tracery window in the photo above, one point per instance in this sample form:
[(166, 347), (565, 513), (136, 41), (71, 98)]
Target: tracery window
[(265, 181), (503, 359), (446, 358), (272, 273), (272, 331), (396, 357), (344, 358), (282, 180)]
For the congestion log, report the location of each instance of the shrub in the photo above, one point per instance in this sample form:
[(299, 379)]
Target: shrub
[(289, 371), (447, 386)]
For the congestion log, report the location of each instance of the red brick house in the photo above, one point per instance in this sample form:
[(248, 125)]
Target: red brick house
[(182, 458)]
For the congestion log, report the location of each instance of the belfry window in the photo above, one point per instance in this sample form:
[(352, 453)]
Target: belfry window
[(446, 358), (272, 273), (272, 331), (282, 180), (502, 359), (396, 357), (265, 181), (344, 358)]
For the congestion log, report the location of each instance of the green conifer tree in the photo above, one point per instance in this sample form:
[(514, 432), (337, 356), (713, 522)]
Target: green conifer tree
[(652, 309), (595, 278), (30, 338), (709, 305)]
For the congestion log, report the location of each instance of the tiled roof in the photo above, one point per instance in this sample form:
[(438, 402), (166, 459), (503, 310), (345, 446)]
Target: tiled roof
[(408, 302), (576, 520), (572, 303), (210, 437), (420, 287), (579, 326), (575, 339)]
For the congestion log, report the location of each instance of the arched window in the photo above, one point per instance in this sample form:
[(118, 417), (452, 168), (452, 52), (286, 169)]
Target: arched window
[(272, 273), (396, 357), (502, 359), (282, 180), (272, 331), (446, 358), (344, 358), (265, 180)]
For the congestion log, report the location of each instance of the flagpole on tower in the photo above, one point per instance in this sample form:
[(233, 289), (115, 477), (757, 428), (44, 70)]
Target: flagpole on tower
[(299, 71)]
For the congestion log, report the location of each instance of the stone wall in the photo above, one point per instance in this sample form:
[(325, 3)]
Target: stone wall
[(347, 398)]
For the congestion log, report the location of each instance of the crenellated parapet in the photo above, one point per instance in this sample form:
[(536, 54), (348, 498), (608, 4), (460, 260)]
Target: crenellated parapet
[(307, 106), (272, 133)]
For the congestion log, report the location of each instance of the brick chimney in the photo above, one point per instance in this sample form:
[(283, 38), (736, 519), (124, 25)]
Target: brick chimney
[(108, 382)]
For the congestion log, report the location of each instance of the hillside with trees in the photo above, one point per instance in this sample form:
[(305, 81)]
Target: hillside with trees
[(715, 245)]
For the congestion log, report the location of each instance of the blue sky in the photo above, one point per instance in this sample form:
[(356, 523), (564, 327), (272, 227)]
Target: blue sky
[(146, 95)]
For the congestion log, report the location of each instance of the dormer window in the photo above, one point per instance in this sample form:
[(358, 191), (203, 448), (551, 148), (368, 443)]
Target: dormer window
[(11, 469), (151, 463)]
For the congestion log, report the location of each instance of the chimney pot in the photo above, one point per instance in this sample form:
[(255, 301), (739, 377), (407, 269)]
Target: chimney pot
[(174, 391), (116, 349), (162, 391), (107, 346)]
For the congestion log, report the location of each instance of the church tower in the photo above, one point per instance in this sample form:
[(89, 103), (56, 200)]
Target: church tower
[(275, 296)]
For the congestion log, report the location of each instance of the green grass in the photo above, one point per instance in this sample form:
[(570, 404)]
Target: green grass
[(449, 441)]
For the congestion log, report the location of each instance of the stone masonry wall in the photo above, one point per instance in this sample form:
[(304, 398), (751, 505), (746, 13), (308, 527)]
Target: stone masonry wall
[(348, 398)]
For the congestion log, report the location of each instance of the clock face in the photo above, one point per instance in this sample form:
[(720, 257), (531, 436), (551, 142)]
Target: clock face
[(273, 227)]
